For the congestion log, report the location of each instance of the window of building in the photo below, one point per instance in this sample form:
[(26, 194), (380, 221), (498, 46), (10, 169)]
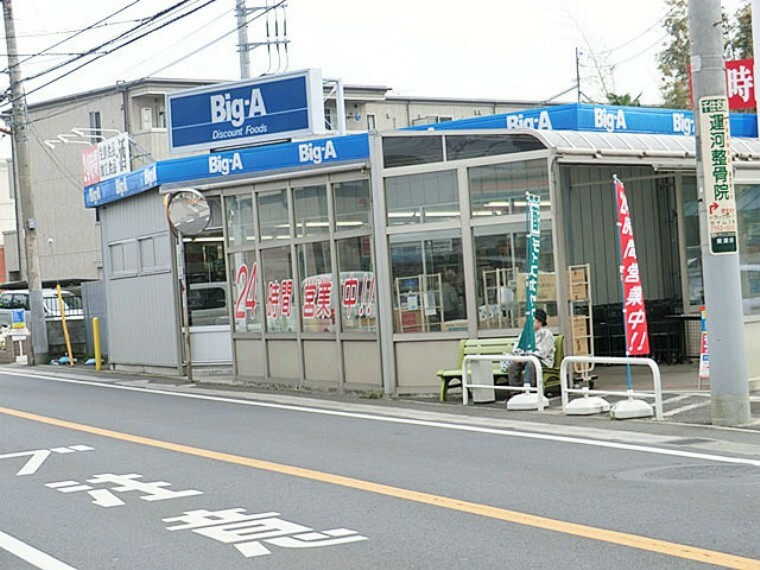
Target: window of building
[(499, 190), (239, 220), (501, 262), (312, 217), (428, 282), (274, 222), (246, 280), (317, 288), (96, 133), (353, 205), (357, 284), (406, 151), (371, 126), (421, 198), (123, 257), (748, 212), (279, 292)]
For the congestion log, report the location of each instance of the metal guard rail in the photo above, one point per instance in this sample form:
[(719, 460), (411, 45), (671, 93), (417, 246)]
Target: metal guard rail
[(656, 394), (526, 387)]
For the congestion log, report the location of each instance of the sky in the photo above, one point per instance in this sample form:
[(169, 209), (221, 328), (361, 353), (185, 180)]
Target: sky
[(492, 49)]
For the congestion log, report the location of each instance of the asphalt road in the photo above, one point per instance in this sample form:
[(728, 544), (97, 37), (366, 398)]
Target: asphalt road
[(99, 476)]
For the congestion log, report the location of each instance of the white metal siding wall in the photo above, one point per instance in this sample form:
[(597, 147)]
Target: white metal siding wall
[(590, 221), (142, 323)]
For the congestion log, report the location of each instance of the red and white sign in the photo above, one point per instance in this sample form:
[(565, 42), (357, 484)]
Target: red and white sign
[(245, 280), (740, 84), (280, 298), (106, 159), (634, 313)]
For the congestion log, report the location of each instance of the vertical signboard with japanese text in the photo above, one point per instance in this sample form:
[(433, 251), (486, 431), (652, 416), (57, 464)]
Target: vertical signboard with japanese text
[(533, 234), (634, 312), (740, 84), (719, 186)]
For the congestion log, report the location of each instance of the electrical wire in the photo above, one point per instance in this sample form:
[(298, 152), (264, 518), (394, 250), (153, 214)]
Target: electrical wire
[(218, 39), (123, 35), (87, 100), (123, 45), (82, 31), (38, 34)]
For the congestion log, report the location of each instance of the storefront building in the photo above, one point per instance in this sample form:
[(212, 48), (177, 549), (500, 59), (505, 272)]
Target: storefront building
[(360, 262)]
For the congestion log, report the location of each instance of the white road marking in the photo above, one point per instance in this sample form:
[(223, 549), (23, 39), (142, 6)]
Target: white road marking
[(676, 399), (686, 408), (29, 554), (423, 423)]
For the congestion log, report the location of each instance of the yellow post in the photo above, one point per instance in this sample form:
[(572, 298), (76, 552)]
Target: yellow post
[(61, 307), (96, 340)]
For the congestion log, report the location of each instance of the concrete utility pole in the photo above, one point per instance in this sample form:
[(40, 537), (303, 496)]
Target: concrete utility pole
[(245, 59), (723, 296), (27, 227)]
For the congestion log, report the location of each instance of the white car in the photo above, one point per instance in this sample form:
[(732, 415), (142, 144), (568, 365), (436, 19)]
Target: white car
[(19, 299)]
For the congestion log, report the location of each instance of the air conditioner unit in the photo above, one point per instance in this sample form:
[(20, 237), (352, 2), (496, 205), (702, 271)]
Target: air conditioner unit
[(146, 118)]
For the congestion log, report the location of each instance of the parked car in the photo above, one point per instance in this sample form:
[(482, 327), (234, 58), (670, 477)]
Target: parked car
[(19, 299), (208, 304)]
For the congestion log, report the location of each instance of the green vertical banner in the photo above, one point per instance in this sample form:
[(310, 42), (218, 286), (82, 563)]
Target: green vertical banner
[(533, 235)]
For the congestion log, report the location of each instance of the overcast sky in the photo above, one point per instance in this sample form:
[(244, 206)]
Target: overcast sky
[(508, 49)]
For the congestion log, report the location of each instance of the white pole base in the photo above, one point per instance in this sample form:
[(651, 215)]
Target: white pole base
[(630, 409), (587, 406), (526, 401)]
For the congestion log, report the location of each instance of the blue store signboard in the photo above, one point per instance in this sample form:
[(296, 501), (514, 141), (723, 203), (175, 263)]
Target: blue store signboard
[(242, 162), (234, 114)]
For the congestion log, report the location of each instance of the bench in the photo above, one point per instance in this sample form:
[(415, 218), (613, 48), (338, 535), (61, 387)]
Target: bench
[(477, 346)]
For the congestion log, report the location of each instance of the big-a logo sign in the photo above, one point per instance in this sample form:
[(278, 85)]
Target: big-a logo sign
[(275, 107)]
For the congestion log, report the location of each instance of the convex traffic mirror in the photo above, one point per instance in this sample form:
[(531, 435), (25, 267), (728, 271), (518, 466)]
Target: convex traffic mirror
[(188, 211)]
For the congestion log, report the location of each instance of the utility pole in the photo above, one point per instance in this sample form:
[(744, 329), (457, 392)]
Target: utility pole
[(729, 387), (27, 226), (245, 60)]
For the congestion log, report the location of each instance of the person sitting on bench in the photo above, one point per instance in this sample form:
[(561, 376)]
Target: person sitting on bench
[(544, 351)]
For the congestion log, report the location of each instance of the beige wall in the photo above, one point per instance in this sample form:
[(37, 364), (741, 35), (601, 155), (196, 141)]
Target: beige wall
[(418, 362)]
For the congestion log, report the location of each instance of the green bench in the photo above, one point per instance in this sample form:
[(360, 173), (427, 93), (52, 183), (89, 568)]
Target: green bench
[(477, 346)]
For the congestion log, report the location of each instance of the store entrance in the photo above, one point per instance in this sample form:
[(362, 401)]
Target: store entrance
[(207, 293), (590, 220)]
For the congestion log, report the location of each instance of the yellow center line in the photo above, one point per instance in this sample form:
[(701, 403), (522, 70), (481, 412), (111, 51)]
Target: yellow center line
[(584, 531)]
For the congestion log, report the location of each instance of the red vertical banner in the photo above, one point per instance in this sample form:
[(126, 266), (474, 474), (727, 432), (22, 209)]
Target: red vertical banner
[(634, 313)]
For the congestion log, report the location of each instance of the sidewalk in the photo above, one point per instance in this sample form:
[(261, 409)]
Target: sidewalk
[(683, 402)]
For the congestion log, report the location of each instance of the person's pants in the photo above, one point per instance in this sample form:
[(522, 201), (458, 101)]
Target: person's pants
[(515, 370)]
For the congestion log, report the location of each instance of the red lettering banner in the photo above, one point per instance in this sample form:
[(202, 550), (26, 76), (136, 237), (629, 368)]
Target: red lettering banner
[(634, 313)]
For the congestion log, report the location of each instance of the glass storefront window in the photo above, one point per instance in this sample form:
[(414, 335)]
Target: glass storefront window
[(500, 260), (353, 206), (245, 278), (499, 190), (461, 147), (421, 198), (428, 282), (405, 151), (274, 222), (748, 212), (357, 284), (311, 211), (279, 295), (317, 291), (239, 220), (692, 245)]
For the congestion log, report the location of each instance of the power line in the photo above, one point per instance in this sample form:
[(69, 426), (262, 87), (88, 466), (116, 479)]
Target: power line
[(38, 34), (149, 20), (116, 48), (220, 38), (88, 101), (83, 30)]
